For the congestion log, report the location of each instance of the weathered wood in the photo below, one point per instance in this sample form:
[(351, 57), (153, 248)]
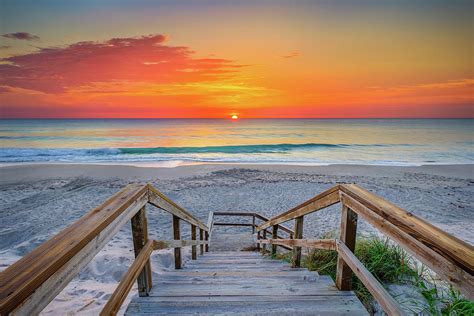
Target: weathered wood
[(448, 246), (158, 199), (201, 238), (140, 238), (253, 224), (444, 268), (120, 294), (282, 227), (232, 224), (234, 214), (320, 201), (177, 236), (264, 246), (328, 244), (33, 281), (210, 224), (387, 302), (194, 247), (206, 238), (258, 241), (274, 236), (348, 237), (164, 244), (296, 260)]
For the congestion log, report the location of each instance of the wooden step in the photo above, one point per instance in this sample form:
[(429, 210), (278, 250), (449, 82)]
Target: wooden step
[(243, 283)]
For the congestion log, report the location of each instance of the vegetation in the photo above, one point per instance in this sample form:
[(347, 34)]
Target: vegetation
[(390, 264)]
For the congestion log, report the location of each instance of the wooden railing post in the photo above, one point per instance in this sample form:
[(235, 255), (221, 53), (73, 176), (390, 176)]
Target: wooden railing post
[(194, 247), (348, 237), (207, 239), (274, 236), (296, 262), (140, 238), (258, 238), (177, 236), (201, 238), (264, 246), (253, 224)]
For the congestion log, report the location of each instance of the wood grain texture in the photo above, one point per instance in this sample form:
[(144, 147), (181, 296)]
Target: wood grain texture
[(194, 247), (161, 201), (348, 234), (274, 236), (296, 260), (327, 244), (177, 235), (118, 297), (34, 280), (448, 246), (445, 268), (387, 302), (140, 238)]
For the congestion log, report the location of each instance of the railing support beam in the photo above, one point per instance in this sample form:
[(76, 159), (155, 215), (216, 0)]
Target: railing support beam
[(264, 246), (348, 237), (258, 238), (194, 247), (177, 236), (274, 236), (206, 234), (253, 224), (201, 237), (296, 262), (140, 238)]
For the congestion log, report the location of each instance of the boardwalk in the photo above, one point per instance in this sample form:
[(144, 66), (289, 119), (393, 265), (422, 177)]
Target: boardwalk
[(244, 283)]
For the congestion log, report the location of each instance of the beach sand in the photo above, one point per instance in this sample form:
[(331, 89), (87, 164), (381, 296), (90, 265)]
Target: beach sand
[(37, 201)]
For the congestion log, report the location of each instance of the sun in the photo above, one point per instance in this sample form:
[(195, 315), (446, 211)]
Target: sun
[(235, 117)]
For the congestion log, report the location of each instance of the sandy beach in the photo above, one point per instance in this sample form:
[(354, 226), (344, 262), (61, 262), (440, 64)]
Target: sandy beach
[(37, 201)]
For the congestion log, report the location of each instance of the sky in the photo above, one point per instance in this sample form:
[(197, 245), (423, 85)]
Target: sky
[(254, 59)]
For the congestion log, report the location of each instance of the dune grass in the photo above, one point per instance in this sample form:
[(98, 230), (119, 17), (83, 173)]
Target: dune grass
[(390, 264)]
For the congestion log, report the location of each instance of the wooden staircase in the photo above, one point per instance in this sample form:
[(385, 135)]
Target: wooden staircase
[(244, 283)]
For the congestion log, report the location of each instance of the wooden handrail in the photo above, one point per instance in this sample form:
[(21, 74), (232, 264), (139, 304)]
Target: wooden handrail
[(451, 258), (29, 284)]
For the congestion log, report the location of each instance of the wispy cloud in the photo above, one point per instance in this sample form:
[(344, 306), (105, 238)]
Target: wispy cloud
[(292, 54), (5, 47), (21, 36), (136, 59)]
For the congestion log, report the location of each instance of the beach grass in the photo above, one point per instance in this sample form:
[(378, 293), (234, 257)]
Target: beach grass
[(391, 265)]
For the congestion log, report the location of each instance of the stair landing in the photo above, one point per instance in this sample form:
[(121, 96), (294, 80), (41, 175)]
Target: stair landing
[(244, 283)]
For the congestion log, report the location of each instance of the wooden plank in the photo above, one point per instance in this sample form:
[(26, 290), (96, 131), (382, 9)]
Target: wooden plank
[(120, 294), (387, 302), (38, 277), (253, 224), (194, 247), (320, 201), (326, 305), (165, 244), (443, 267), (233, 224), (454, 249), (177, 236), (328, 244), (348, 234), (274, 236), (282, 227), (210, 221), (206, 238), (158, 199), (140, 238), (264, 247), (201, 238), (234, 214), (296, 260), (258, 241)]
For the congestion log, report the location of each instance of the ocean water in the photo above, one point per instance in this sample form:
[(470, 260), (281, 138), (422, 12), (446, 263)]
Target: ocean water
[(171, 142)]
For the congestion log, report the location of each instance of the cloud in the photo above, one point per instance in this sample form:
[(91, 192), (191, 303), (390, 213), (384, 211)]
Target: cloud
[(5, 47), (21, 36), (137, 59), (291, 54)]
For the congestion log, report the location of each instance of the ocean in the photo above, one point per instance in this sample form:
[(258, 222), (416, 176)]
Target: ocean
[(172, 142)]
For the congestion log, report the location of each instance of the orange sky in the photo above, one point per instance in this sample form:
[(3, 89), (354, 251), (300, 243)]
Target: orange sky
[(254, 59)]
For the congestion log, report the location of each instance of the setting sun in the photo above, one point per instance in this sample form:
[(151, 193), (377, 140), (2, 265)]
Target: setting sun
[(235, 117)]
